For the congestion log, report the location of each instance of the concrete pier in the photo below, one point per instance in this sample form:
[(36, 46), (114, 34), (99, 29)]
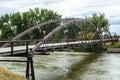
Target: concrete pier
[(113, 50)]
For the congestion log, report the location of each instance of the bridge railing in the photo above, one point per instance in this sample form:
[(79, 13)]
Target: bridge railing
[(28, 61), (31, 42), (26, 43), (19, 43)]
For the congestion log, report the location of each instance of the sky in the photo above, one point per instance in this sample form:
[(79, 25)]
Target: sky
[(69, 8)]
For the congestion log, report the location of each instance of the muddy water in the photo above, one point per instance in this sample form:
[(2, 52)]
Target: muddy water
[(70, 66)]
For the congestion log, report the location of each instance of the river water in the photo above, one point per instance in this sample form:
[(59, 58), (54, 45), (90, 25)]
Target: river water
[(70, 66)]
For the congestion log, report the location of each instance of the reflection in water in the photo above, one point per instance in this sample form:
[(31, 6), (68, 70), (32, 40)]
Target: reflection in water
[(71, 66)]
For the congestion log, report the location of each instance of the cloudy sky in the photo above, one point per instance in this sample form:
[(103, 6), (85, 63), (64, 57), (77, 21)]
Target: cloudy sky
[(69, 8)]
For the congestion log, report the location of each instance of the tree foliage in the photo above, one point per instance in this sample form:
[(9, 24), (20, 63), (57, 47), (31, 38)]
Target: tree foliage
[(100, 22), (13, 24)]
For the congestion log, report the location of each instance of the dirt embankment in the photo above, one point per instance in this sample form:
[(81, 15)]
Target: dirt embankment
[(8, 75)]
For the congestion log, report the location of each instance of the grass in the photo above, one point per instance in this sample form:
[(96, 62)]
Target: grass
[(114, 44), (8, 75)]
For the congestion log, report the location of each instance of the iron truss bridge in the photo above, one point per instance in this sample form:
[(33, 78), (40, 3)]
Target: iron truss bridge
[(46, 44)]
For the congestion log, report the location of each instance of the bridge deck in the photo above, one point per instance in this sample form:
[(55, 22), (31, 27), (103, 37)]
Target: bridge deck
[(51, 45)]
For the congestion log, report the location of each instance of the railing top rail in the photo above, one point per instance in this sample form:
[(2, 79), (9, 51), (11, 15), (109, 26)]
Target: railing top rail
[(7, 41)]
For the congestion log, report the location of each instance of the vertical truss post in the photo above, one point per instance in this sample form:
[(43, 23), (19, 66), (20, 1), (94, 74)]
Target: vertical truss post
[(27, 48), (62, 45), (52, 45), (44, 47), (11, 48)]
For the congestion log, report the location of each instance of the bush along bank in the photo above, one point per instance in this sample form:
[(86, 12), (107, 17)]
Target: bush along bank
[(90, 48)]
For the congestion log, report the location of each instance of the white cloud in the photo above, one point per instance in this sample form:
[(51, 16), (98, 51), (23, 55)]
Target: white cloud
[(115, 28), (68, 8)]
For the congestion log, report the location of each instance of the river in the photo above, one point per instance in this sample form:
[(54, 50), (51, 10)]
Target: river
[(70, 66)]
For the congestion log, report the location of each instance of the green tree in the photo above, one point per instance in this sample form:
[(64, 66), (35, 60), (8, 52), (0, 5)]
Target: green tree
[(7, 33), (5, 27), (18, 22), (101, 23)]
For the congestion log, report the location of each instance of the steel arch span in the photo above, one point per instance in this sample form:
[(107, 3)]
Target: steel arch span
[(47, 37), (43, 24)]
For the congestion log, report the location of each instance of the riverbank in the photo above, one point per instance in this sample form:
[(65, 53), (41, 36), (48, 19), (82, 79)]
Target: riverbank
[(113, 47), (8, 75)]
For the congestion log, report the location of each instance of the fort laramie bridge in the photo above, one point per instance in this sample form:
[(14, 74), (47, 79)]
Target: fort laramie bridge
[(46, 44)]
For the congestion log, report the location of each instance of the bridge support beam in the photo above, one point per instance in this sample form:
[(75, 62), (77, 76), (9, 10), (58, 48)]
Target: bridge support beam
[(30, 68), (29, 65)]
